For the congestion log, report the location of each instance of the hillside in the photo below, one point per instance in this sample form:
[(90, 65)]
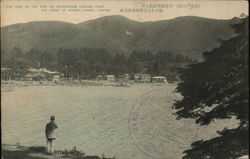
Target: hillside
[(183, 35)]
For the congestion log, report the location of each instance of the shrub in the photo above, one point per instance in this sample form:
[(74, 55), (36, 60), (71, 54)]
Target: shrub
[(38, 149), (74, 153)]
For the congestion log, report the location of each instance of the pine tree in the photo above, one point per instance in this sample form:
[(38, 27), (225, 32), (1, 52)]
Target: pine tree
[(219, 83)]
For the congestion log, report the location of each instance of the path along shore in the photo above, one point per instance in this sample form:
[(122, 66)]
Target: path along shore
[(10, 85)]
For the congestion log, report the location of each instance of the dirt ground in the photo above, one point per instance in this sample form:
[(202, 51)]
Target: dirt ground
[(21, 152)]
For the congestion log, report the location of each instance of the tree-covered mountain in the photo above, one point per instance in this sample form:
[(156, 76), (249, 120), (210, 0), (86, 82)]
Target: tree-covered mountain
[(188, 35)]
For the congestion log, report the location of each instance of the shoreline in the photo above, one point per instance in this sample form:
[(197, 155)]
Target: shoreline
[(10, 85), (7, 86), (38, 152)]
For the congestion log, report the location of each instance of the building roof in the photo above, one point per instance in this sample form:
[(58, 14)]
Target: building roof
[(33, 70), (158, 77), (5, 69), (28, 75)]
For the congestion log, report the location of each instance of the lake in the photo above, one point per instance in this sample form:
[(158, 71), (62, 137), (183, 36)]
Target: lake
[(126, 122)]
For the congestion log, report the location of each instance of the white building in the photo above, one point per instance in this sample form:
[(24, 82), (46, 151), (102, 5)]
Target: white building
[(159, 79), (111, 78), (142, 77)]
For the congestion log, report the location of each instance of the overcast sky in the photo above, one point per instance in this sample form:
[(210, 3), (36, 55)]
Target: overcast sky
[(208, 9)]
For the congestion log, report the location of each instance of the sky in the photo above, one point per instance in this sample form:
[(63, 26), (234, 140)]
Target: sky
[(76, 11)]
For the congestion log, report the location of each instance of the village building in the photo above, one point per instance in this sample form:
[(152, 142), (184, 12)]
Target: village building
[(42, 74), (12, 74), (28, 77), (55, 78), (111, 78), (123, 77), (6, 74), (159, 79), (142, 77)]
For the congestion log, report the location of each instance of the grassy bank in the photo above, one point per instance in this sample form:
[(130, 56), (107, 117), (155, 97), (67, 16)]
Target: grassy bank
[(39, 152)]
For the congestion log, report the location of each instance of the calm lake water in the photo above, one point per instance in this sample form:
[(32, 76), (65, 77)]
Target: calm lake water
[(131, 122)]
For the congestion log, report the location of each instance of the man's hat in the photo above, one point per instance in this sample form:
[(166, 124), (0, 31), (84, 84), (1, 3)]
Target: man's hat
[(52, 117)]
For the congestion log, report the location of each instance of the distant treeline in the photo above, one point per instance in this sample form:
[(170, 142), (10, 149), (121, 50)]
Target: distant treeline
[(88, 62)]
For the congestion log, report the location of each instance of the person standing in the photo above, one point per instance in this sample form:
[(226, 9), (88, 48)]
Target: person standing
[(50, 133)]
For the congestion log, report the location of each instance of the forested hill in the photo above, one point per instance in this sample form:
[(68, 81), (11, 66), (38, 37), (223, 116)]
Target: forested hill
[(190, 36)]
